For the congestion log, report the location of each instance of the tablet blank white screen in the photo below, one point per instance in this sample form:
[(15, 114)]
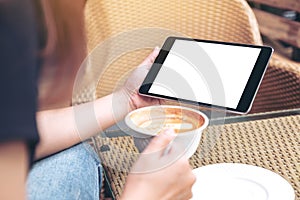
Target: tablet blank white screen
[(206, 72)]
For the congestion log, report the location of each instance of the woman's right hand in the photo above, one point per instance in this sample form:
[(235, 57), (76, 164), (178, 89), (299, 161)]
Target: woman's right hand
[(173, 180)]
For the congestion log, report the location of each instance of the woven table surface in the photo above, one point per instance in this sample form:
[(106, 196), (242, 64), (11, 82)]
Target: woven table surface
[(273, 144)]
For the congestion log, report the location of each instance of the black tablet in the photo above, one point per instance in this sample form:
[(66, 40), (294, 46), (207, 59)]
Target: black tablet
[(208, 73)]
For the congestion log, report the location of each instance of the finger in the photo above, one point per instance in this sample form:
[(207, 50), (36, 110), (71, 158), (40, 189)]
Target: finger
[(160, 141), (150, 59), (188, 179), (186, 195)]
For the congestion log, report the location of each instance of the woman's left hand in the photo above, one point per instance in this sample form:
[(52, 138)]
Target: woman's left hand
[(134, 81)]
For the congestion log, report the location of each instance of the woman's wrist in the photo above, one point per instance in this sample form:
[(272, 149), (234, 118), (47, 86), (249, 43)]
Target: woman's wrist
[(127, 99), (121, 104), (136, 193), (112, 108)]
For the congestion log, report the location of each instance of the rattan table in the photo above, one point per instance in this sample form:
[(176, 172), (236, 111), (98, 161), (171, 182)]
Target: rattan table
[(269, 140)]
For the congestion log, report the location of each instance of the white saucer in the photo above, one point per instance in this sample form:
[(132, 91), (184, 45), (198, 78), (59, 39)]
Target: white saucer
[(239, 182)]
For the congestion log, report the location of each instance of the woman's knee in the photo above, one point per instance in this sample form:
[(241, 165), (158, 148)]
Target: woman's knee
[(74, 173)]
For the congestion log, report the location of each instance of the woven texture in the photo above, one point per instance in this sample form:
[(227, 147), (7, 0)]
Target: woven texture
[(228, 20), (137, 27), (280, 88), (273, 144), (122, 33)]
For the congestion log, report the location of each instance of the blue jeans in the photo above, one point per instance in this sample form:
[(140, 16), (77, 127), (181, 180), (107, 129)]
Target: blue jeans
[(74, 173)]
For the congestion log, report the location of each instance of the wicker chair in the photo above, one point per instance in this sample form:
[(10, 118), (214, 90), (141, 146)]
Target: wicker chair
[(120, 34)]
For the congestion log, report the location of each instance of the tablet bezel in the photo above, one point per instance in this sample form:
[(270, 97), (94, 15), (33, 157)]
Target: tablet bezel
[(250, 89)]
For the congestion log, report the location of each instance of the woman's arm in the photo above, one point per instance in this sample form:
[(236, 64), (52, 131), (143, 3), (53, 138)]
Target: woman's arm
[(63, 128), (13, 169)]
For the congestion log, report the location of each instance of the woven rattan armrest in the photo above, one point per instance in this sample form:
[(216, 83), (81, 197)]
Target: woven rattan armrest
[(280, 88)]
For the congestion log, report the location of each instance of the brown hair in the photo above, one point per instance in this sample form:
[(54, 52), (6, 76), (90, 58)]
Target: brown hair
[(64, 50)]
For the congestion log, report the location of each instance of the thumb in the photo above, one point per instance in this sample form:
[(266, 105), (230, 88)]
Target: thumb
[(160, 141), (150, 59)]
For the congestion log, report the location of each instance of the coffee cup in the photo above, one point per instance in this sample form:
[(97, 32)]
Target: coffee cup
[(145, 123)]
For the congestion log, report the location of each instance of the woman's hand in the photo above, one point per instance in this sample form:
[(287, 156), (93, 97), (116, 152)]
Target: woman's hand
[(134, 81), (112, 108), (172, 180)]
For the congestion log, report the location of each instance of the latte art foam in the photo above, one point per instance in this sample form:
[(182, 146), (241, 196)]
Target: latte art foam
[(162, 118)]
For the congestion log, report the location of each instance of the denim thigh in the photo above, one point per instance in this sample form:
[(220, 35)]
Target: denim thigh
[(74, 173)]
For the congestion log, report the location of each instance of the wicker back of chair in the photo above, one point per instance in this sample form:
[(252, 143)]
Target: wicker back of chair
[(280, 88), (120, 34), (126, 31), (226, 20)]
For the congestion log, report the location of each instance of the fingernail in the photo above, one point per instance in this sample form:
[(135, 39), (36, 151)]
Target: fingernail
[(156, 48)]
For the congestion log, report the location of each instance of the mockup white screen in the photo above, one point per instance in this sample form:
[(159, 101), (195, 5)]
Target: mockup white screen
[(206, 72)]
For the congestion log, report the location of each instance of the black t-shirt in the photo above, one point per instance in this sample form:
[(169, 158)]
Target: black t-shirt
[(18, 74)]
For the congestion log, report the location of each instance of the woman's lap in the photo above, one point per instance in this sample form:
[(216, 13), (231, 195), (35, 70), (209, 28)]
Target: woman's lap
[(74, 173)]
